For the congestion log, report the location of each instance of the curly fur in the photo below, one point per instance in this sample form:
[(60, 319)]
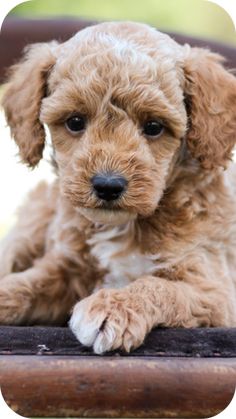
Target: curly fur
[(163, 254)]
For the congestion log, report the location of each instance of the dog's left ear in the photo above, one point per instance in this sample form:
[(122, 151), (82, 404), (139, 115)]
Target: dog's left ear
[(210, 92)]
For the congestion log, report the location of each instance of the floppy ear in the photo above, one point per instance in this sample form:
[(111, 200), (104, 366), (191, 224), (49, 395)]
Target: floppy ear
[(22, 100), (211, 103)]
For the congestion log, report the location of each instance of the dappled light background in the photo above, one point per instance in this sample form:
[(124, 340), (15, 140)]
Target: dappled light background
[(192, 17)]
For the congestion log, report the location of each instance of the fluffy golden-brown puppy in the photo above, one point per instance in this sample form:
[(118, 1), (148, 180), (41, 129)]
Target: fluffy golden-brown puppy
[(139, 229)]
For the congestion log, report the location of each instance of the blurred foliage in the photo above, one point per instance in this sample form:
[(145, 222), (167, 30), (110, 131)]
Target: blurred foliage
[(194, 17)]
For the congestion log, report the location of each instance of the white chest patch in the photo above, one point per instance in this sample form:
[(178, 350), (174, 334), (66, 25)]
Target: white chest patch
[(115, 251)]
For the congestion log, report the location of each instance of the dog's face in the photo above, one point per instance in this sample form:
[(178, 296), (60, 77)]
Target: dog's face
[(116, 120), (115, 107)]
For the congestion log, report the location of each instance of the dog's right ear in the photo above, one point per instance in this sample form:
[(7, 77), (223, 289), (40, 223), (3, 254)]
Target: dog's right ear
[(22, 99)]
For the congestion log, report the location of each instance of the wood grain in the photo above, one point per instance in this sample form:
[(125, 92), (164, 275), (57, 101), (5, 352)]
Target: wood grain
[(117, 387), (202, 342)]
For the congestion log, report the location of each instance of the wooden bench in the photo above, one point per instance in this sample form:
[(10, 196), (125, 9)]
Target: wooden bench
[(44, 371)]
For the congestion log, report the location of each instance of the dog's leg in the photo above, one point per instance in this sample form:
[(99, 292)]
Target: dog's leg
[(113, 319), (42, 294), (26, 241)]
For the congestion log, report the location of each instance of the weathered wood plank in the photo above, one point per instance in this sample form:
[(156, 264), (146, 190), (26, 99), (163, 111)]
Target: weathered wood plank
[(202, 342), (117, 387)]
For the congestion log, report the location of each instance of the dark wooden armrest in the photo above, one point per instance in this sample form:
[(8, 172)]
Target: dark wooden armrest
[(44, 371)]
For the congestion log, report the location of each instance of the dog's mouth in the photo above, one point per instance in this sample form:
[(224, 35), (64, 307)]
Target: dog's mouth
[(109, 216)]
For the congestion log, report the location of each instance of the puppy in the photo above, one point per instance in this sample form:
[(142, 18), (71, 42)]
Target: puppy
[(139, 228)]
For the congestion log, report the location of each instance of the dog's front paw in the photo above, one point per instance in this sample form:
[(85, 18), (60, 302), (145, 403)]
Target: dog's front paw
[(108, 320)]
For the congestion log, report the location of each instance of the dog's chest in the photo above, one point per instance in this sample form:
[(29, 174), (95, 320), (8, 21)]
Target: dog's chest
[(117, 254)]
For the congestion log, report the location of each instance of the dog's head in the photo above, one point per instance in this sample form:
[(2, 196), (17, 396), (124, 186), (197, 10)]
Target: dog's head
[(122, 101)]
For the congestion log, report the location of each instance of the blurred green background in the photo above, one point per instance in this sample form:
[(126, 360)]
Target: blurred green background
[(194, 17)]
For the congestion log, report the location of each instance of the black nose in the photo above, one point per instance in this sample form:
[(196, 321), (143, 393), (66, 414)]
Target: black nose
[(108, 186)]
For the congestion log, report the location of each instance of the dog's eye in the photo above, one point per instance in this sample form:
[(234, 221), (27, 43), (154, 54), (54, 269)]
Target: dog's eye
[(75, 123), (153, 128)]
